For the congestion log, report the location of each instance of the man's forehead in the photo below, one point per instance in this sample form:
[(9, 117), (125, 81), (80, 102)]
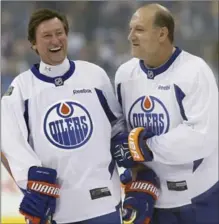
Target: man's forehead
[(49, 25), (140, 17), (136, 15), (51, 22)]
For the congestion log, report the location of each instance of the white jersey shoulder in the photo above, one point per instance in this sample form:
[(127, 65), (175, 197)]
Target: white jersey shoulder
[(125, 71), (189, 71), (93, 71), (20, 84)]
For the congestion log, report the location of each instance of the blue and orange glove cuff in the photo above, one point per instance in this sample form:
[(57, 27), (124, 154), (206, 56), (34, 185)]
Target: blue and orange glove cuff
[(137, 145)]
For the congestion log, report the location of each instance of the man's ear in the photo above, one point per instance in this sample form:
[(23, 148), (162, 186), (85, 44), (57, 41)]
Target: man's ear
[(34, 47), (163, 34)]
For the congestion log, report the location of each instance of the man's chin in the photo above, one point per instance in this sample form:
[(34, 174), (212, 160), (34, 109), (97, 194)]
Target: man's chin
[(58, 59), (135, 54)]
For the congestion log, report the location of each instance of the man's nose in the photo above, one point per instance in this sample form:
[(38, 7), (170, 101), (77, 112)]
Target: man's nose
[(131, 36), (55, 39)]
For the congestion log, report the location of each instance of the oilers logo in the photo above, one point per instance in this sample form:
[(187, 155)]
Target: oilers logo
[(149, 112), (68, 125)]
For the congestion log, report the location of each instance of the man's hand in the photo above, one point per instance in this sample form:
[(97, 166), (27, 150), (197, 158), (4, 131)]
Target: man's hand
[(120, 150), (39, 202), (129, 148), (141, 193)]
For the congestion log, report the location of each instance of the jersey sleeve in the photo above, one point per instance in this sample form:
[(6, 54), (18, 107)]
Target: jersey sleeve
[(197, 136), (117, 85), (121, 76), (113, 110), (14, 135)]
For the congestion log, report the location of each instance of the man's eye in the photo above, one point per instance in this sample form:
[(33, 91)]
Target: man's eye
[(48, 35), (139, 29)]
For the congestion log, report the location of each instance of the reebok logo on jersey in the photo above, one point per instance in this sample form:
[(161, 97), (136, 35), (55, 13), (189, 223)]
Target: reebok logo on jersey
[(81, 91), (164, 87)]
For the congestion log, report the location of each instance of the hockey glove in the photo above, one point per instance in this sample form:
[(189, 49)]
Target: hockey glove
[(120, 150), (128, 149), (39, 202), (140, 197)]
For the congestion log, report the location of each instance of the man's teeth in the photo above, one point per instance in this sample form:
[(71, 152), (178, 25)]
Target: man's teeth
[(55, 49)]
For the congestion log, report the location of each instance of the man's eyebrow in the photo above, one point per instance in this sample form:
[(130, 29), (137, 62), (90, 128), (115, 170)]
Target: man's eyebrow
[(137, 25), (48, 31)]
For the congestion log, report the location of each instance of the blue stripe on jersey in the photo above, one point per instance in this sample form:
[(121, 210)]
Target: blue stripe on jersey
[(26, 117), (179, 97), (118, 89), (111, 167), (196, 164), (105, 106), (68, 74)]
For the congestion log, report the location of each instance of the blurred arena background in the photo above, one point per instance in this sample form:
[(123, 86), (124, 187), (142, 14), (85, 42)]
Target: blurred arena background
[(98, 33)]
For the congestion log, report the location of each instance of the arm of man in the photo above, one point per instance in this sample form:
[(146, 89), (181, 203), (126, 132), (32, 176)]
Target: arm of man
[(19, 157), (111, 106), (14, 135), (197, 136)]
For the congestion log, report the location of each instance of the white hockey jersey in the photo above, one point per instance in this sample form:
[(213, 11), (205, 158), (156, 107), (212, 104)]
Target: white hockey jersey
[(179, 102), (65, 122)]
